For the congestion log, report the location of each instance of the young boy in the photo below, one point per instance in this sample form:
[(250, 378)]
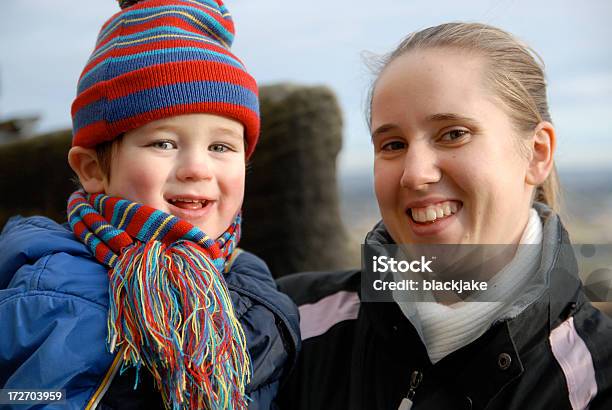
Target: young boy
[(146, 277)]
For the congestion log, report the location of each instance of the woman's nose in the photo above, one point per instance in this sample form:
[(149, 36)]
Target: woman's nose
[(420, 168), (193, 167)]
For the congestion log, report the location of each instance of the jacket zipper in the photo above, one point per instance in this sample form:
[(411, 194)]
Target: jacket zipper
[(415, 380), (106, 382)]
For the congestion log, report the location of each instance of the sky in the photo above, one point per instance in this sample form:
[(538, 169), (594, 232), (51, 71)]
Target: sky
[(44, 45)]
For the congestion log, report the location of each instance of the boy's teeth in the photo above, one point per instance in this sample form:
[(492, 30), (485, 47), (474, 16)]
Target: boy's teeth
[(186, 200), (433, 212), (188, 203)]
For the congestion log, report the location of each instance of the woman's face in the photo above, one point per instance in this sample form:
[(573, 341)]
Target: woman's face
[(447, 163)]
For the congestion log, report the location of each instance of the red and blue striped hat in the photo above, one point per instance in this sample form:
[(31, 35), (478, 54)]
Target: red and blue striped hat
[(160, 58)]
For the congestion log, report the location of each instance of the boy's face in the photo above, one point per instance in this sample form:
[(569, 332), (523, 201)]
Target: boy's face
[(191, 166)]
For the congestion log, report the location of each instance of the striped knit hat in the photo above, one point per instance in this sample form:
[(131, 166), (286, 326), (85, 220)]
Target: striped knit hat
[(161, 58)]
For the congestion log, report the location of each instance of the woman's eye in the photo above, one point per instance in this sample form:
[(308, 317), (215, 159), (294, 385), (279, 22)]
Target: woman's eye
[(219, 148), (393, 146), (454, 135), (163, 145)]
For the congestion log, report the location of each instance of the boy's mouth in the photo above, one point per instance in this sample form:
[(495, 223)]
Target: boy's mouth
[(187, 203)]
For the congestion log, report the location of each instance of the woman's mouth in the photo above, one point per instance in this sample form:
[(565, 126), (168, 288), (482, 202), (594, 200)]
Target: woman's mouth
[(434, 213)]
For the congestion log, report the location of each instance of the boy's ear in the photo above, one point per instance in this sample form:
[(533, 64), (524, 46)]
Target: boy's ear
[(543, 145), (84, 162)]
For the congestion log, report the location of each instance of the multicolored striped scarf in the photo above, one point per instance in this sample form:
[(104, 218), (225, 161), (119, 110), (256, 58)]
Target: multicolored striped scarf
[(169, 307)]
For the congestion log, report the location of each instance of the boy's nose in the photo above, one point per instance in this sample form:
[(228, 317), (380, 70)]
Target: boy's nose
[(193, 167), (420, 168)]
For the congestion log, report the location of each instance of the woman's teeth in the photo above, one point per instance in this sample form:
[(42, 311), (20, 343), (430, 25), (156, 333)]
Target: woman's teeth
[(433, 212)]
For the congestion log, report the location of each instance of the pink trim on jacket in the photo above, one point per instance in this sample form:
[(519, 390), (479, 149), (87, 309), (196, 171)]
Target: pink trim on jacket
[(317, 318), (576, 362)]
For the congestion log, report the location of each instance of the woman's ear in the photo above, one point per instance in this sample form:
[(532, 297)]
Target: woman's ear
[(543, 145), (84, 162)]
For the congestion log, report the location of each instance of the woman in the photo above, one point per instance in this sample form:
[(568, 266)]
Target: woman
[(464, 149)]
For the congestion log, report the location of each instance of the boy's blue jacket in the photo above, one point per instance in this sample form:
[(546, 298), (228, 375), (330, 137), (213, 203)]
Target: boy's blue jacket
[(53, 308)]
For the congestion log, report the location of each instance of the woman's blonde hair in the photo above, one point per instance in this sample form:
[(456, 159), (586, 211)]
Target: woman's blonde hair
[(513, 70)]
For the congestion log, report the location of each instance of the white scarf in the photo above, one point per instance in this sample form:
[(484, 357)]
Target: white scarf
[(445, 329)]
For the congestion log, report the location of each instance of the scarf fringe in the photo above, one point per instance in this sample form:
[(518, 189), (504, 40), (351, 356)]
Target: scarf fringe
[(171, 309)]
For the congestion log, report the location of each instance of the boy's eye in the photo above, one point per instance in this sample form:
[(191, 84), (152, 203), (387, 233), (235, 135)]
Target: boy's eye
[(219, 148), (163, 145), (454, 135)]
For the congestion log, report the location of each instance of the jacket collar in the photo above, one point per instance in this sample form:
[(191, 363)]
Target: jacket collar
[(558, 273)]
